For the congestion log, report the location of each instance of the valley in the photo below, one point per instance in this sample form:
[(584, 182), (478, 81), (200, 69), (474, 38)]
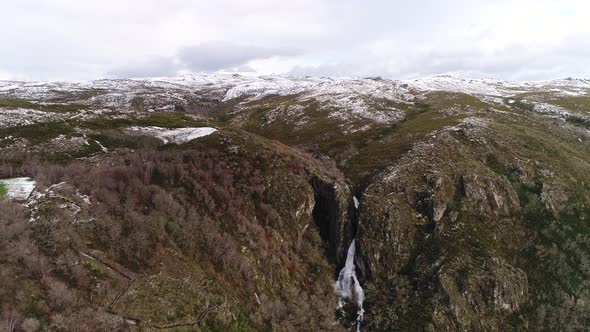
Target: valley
[(242, 202)]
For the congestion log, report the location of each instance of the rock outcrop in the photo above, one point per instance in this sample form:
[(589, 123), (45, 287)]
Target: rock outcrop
[(333, 216)]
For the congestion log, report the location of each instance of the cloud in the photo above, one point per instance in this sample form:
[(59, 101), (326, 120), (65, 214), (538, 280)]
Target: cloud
[(155, 66), (205, 57), (510, 39), (213, 56)]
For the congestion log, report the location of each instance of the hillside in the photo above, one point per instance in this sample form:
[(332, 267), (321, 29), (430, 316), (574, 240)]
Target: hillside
[(216, 202)]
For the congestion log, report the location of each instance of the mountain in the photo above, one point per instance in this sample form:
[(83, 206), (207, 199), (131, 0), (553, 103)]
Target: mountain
[(242, 202)]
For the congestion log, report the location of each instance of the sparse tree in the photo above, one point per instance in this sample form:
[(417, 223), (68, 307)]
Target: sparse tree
[(10, 318)]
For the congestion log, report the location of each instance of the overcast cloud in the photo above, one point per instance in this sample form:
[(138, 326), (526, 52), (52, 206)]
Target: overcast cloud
[(73, 40)]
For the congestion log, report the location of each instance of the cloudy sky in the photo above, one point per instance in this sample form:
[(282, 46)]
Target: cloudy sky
[(91, 39)]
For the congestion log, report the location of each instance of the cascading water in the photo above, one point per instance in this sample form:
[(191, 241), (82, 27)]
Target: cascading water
[(347, 286)]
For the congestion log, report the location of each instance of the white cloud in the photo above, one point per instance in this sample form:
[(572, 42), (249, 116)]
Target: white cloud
[(518, 39)]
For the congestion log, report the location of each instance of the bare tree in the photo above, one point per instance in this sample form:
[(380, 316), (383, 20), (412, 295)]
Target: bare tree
[(11, 320)]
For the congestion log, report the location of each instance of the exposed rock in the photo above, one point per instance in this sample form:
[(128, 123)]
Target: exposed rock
[(489, 196), (478, 294), (331, 212), (414, 225), (553, 196)]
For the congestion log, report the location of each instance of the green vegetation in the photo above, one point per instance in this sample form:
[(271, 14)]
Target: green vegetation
[(521, 104), (441, 100), (45, 107), (360, 153), (393, 142), (166, 120), (2, 190), (579, 104), (39, 132), (72, 96), (137, 103), (556, 262), (516, 211)]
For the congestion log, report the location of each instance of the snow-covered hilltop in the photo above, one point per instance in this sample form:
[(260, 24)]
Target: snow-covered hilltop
[(354, 103), (490, 87), (226, 87)]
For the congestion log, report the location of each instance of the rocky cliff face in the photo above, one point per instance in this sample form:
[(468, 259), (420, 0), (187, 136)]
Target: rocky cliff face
[(428, 220), (448, 238), (333, 213)]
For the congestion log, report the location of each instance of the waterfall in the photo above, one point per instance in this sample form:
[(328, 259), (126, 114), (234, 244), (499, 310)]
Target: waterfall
[(347, 286)]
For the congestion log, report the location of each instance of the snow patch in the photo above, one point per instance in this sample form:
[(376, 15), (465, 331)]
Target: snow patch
[(25, 116), (176, 135), (551, 110), (18, 188), (102, 147), (488, 87)]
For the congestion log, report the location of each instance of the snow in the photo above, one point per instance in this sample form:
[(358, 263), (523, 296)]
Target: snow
[(102, 147), (475, 121), (24, 116), (557, 112), (345, 98), (491, 87), (18, 188), (230, 86), (356, 202), (348, 97), (176, 135), (8, 87), (70, 203), (487, 87), (351, 97), (566, 87), (348, 287)]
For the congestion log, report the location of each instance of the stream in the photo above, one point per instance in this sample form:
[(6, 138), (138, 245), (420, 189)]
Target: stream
[(347, 286)]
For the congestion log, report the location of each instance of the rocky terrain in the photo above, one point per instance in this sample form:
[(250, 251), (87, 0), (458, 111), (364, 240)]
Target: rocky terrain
[(218, 202)]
